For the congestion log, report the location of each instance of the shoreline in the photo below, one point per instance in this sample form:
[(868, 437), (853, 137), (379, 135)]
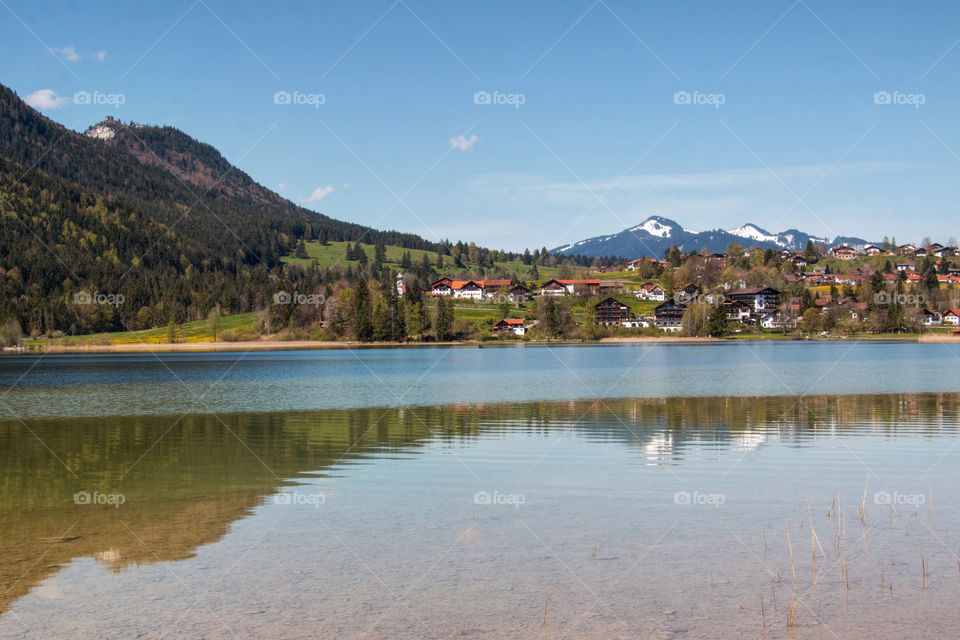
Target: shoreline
[(298, 345)]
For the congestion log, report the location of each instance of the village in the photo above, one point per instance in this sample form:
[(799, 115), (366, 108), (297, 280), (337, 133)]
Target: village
[(820, 291)]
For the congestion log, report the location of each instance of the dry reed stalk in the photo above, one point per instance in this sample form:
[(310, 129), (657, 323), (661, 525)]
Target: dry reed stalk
[(793, 564), (546, 605), (763, 620), (923, 571)]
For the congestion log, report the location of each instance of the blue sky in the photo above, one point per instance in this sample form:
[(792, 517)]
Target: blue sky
[(587, 129)]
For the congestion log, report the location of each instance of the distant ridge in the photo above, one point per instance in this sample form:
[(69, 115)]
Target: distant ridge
[(655, 235)]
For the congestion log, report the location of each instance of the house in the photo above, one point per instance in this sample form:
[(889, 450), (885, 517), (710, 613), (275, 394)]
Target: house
[(844, 252), (736, 311), (611, 311), (906, 250), (553, 288), (491, 288), (945, 252), (902, 266), (920, 253), (872, 250), (442, 287), (633, 265), (468, 289), (518, 294), (509, 325), (651, 291), (669, 315), (951, 316), (759, 299), (800, 261), (637, 323), (585, 286), (776, 319), (932, 318)]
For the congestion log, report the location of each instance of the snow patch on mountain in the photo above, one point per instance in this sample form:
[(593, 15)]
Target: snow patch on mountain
[(654, 227), (755, 233)]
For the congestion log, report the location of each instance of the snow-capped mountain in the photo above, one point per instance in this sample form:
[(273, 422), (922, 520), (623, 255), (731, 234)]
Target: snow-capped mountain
[(656, 234)]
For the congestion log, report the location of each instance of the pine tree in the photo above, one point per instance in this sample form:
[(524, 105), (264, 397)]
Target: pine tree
[(349, 252), (717, 322), (444, 318), (362, 324), (301, 250)]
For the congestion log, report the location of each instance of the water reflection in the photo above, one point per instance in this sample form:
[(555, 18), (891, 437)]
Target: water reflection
[(185, 480)]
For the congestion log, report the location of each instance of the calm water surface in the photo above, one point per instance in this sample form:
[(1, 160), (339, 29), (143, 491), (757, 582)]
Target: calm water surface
[(579, 492)]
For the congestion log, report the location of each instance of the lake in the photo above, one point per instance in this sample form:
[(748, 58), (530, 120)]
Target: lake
[(665, 491)]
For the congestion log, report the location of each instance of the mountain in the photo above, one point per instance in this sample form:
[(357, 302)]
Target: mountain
[(144, 211), (655, 235)]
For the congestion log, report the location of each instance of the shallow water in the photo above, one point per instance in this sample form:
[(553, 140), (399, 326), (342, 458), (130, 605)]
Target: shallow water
[(603, 518)]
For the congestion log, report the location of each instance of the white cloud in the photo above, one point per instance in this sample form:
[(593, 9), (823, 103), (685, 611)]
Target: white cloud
[(464, 144), (46, 99), (319, 193), (101, 56), (281, 186), (68, 53)]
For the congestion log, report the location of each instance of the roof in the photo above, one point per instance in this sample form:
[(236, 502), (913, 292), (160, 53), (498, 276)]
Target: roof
[(751, 291), (512, 321)]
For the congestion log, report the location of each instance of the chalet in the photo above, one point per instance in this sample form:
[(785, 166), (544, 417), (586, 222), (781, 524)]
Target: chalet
[(717, 258), (872, 250), (687, 295), (906, 250), (669, 315), (509, 325), (442, 287), (844, 252), (902, 266), (633, 265), (921, 253), (553, 288), (651, 291), (491, 288), (736, 311), (945, 252), (952, 316), (468, 289), (611, 311), (932, 318), (759, 299), (934, 248), (518, 294), (800, 261)]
